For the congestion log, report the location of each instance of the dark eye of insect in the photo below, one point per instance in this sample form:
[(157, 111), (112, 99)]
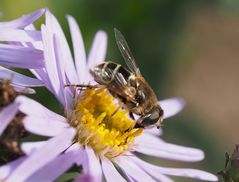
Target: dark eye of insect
[(151, 118), (140, 97)]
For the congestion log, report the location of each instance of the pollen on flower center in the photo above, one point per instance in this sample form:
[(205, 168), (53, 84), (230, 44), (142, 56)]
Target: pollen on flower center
[(107, 134)]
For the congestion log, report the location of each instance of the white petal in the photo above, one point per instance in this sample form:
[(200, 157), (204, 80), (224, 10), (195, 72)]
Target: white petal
[(44, 155), (79, 49), (21, 57), (37, 110), (150, 170), (93, 168), (7, 114), (23, 21), (189, 173), (44, 126), (50, 63), (19, 35), (17, 78), (110, 173), (67, 59), (29, 147), (154, 131), (8, 168), (153, 146), (132, 170), (98, 49), (183, 172), (172, 106)]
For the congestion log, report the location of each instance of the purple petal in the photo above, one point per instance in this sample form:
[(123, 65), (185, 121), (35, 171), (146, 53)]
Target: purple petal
[(23, 21), (8, 168), (189, 173), (21, 57), (19, 35), (98, 49), (153, 146), (43, 156), (84, 178), (37, 110), (132, 170), (172, 106), (79, 49), (35, 44), (29, 147), (42, 75), (7, 114), (43, 126), (110, 173), (19, 79), (55, 168)]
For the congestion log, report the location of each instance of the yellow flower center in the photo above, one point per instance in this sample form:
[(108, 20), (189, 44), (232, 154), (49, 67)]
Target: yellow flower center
[(107, 132)]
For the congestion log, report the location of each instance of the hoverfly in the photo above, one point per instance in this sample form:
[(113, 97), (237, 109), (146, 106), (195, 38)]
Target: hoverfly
[(129, 86)]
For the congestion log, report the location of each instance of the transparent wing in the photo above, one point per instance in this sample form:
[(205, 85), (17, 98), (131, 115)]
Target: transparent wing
[(125, 51)]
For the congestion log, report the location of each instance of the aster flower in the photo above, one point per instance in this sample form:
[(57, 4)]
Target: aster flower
[(88, 135)]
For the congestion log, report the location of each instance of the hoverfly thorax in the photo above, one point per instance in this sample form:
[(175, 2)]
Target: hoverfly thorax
[(129, 86)]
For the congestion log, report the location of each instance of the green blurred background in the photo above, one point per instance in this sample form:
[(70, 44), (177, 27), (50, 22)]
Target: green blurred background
[(184, 48)]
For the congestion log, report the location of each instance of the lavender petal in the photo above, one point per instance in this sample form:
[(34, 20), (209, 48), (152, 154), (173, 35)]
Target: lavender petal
[(132, 170), (19, 35), (110, 173), (23, 89), (79, 49), (44, 127), (147, 168), (23, 21), (93, 167), (67, 59), (98, 49), (183, 172), (153, 146), (21, 57), (37, 110), (29, 147), (55, 168), (51, 65), (19, 79), (7, 169), (154, 131), (46, 154), (7, 114), (172, 106)]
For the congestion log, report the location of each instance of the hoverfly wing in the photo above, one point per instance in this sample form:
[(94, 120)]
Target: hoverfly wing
[(126, 53)]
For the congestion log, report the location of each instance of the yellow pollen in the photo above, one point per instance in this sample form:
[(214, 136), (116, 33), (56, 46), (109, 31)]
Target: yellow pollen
[(106, 134)]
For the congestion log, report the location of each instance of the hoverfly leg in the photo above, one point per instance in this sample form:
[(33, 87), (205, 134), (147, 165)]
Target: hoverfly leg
[(138, 125), (83, 85), (131, 115)]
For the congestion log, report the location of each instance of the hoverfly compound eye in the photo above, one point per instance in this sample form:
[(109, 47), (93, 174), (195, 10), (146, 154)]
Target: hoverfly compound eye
[(152, 119)]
